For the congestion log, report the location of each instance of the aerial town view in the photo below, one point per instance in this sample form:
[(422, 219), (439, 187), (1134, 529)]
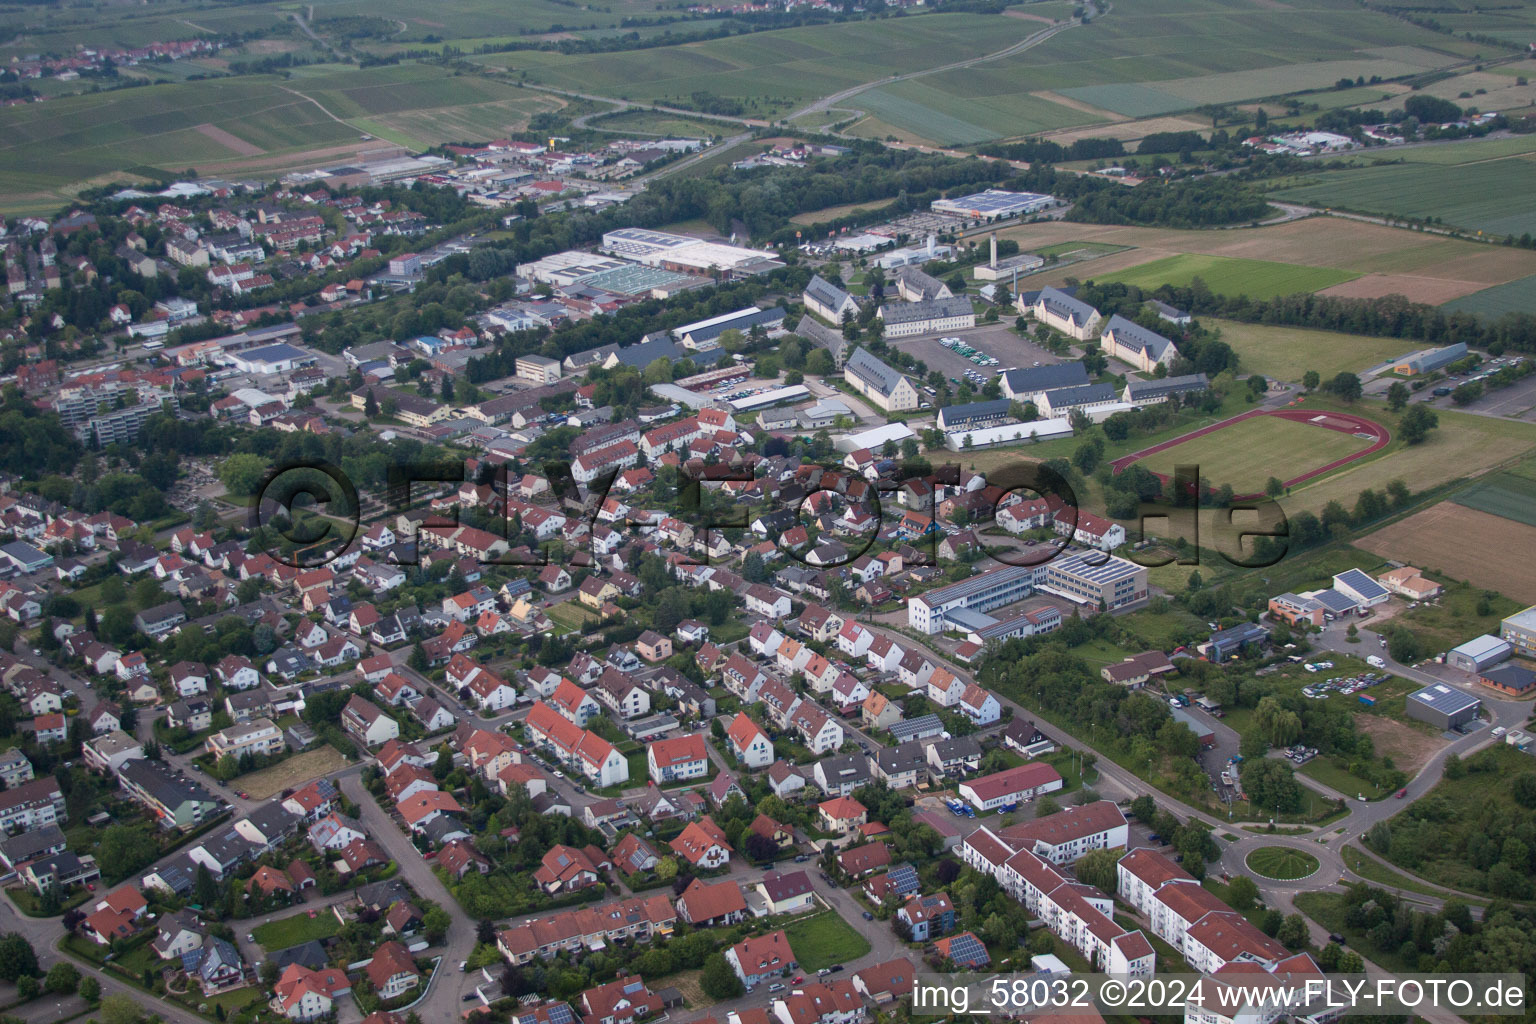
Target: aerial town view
[(782, 512)]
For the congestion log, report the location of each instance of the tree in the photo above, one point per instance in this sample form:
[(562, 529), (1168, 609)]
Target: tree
[(1097, 868), (418, 659), (1271, 785), (1346, 386), (242, 473), (1274, 487), (90, 989), (1416, 424), (435, 923), (63, 978), (1293, 932), (1397, 396), (370, 405), (1311, 380), (17, 957), (1242, 893), (119, 1010), (718, 980)]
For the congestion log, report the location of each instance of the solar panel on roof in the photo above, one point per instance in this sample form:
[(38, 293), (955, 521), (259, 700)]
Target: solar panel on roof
[(967, 949), (1367, 587)]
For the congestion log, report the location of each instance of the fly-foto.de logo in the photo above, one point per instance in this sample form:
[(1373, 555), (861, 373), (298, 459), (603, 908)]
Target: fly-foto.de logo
[(1026, 514)]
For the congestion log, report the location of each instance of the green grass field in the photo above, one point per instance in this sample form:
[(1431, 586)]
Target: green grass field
[(1493, 196), (1512, 297), (301, 927), (1281, 862), (1247, 454), (822, 940), (1287, 353), (1502, 494), (1257, 279)]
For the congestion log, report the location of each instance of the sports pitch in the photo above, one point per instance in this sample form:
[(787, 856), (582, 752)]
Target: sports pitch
[(1247, 453), (1257, 279)]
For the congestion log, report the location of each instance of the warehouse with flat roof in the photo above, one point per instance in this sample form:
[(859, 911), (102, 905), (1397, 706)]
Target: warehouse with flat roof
[(1442, 706), (994, 203)]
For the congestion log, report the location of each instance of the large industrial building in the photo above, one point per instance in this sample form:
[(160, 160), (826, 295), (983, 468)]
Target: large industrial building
[(885, 386), (686, 255), (994, 203)]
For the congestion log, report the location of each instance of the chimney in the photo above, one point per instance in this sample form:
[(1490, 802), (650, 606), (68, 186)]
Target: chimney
[(993, 261)]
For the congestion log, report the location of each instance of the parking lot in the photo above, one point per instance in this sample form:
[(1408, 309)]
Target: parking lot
[(998, 340)]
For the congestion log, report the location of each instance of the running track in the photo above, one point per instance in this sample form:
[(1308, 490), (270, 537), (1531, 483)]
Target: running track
[(1349, 424)]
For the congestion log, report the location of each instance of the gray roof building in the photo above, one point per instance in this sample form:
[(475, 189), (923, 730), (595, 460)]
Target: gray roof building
[(1026, 384), (869, 369)]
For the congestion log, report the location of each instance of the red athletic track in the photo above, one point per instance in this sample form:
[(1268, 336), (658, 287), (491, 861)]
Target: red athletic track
[(1352, 424)]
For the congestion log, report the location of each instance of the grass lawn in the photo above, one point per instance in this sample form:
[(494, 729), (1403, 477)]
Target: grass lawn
[(1225, 275), (1281, 862), (823, 940), (301, 927), (1373, 870), (1287, 353), (1248, 453), (1444, 625), (1333, 773)]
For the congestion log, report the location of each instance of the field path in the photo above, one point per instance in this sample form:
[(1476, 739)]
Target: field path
[(320, 105), (1019, 47)]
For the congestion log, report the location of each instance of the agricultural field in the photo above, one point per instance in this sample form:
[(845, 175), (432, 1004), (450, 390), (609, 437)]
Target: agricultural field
[(49, 150), (1502, 494), (1225, 275), (1462, 543), (773, 72), (1249, 452), (1515, 297), (1380, 260), (658, 123), (970, 106), (48, 147), (1490, 196), (1287, 353)]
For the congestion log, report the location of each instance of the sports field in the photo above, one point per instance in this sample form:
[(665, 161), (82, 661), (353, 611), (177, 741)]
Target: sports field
[(1502, 494), (1257, 279), (1492, 196), (1287, 353), (1515, 297), (1249, 452), (1464, 544)]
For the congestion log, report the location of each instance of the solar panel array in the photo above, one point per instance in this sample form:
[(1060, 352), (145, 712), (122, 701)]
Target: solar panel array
[(965, 948)]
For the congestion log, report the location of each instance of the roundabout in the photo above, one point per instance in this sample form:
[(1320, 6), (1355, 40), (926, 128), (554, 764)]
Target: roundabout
[(1281, 863)]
